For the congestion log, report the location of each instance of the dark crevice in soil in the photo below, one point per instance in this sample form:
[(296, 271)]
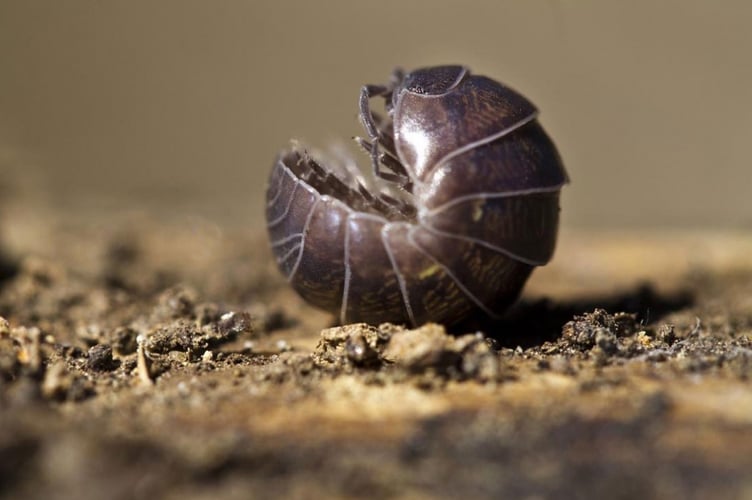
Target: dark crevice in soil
[(531, 323), (8, 268)]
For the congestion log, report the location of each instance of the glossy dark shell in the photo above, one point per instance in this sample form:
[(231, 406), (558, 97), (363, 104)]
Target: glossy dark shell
[(484, 208)]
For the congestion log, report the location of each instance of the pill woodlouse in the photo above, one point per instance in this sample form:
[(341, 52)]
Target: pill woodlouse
[(461, 204)]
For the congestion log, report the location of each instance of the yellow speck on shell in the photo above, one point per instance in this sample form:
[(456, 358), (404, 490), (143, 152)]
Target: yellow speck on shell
[(429, 271), (478, 210)]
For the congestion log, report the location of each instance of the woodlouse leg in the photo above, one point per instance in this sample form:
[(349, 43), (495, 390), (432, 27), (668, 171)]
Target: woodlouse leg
[(366, 117), (398, 173), (371, 122), (386, 134)]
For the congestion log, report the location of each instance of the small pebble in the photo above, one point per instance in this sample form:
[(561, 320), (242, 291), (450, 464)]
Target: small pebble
[(100, 358), (183, 389), (283, 346), (4, 327)]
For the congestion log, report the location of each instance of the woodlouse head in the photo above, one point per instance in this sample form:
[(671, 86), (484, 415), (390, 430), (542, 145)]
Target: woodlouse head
[(462, 202)]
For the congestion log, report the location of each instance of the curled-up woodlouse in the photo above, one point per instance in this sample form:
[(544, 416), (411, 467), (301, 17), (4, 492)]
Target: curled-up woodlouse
[(461, 204)]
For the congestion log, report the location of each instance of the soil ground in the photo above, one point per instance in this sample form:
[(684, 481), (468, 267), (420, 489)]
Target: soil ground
[(168, 359)]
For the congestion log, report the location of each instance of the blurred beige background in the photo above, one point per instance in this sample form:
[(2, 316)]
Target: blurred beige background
[(181, 105)]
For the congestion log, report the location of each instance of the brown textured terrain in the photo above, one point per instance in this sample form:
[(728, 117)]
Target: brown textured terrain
[(168, 359)]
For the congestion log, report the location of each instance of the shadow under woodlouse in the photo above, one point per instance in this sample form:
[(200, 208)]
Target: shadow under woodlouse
[(531, 323)]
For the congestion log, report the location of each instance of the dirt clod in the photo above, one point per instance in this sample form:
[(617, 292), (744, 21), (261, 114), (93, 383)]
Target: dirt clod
[(100, 358)]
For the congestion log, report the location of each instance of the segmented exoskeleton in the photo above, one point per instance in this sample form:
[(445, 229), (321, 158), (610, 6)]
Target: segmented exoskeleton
[(471, 204)]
